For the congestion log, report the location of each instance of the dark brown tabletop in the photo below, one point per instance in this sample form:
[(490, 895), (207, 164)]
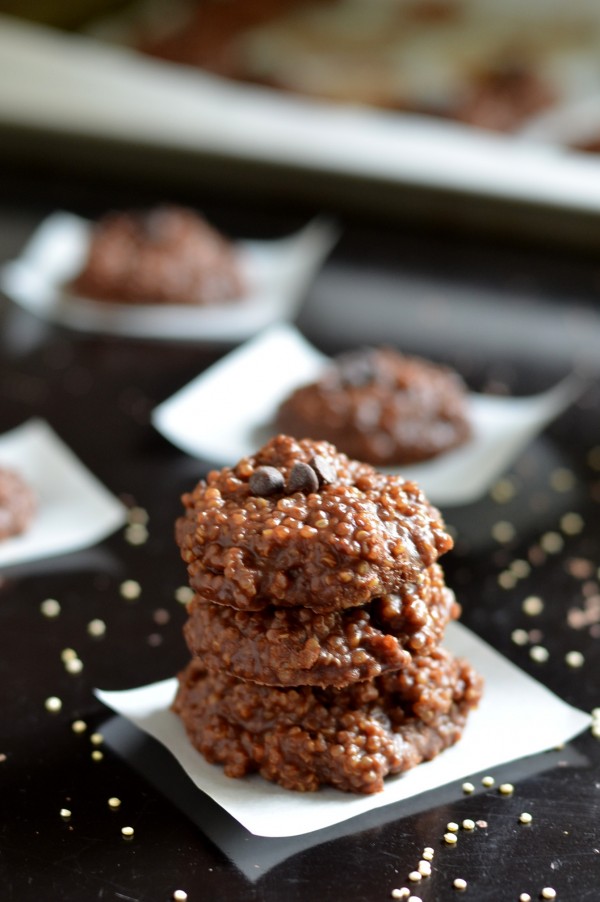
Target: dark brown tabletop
[(510, 315)]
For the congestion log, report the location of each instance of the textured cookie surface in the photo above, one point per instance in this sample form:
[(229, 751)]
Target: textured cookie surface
[(297, 646), (350, 738), (169, 255), (382, 407), (299, 525)]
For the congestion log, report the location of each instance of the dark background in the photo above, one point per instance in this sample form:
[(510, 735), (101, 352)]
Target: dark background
[(514, 308)]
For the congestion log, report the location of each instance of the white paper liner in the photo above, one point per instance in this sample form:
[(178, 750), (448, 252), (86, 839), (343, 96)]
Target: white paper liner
[(278, 274), (569, 124), (74, 509), (516, 718), (225, 414), (254, 855)]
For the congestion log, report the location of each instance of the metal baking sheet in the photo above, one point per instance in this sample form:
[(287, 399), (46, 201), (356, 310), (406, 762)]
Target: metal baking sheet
[(80, 85)]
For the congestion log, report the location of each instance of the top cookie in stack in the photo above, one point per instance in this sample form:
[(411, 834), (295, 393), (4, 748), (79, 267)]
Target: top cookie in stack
[(298, 524)]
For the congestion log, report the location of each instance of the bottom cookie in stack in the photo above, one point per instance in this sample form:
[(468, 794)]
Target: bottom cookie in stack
[(350, 738)]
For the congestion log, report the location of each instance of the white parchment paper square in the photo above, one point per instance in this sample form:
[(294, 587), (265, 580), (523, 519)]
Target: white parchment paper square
[(74, 509), (278, 274), (517, 717), (226, 413)]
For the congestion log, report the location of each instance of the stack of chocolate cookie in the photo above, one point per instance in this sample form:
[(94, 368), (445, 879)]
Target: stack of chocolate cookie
[(317, 619)]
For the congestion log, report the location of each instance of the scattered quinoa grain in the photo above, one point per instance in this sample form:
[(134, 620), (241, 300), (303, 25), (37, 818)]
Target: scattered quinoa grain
[(428, 854), (180, 895), (536, 555), (520, 637), (415, 876), (520, 568), (579, 567), (503, 491), (184, 594), (452, 827), (50, 607), (552, 542), (468, 824), (507, 580), (548, 893), (114, 802), (97, 755), (137, 515), (571, 524), (53, 704), (532, 606), (524, 897), (127, 832), (65, 813), (503, 531), (487, 781), (450, 838), (468, 788), (539, 654), (130, 589), (459, 883), (574, 659), (506, 789), (525, 818), (96, 738), (401, 893), (79, 726), (136, 534), (96, 628), (74, 665)]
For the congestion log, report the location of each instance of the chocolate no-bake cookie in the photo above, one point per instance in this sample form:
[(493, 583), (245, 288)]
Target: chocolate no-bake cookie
[(381, 407), (296, 646), (298, 524), (17, 504), (504, 97), (349, 738), (168, 255)]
